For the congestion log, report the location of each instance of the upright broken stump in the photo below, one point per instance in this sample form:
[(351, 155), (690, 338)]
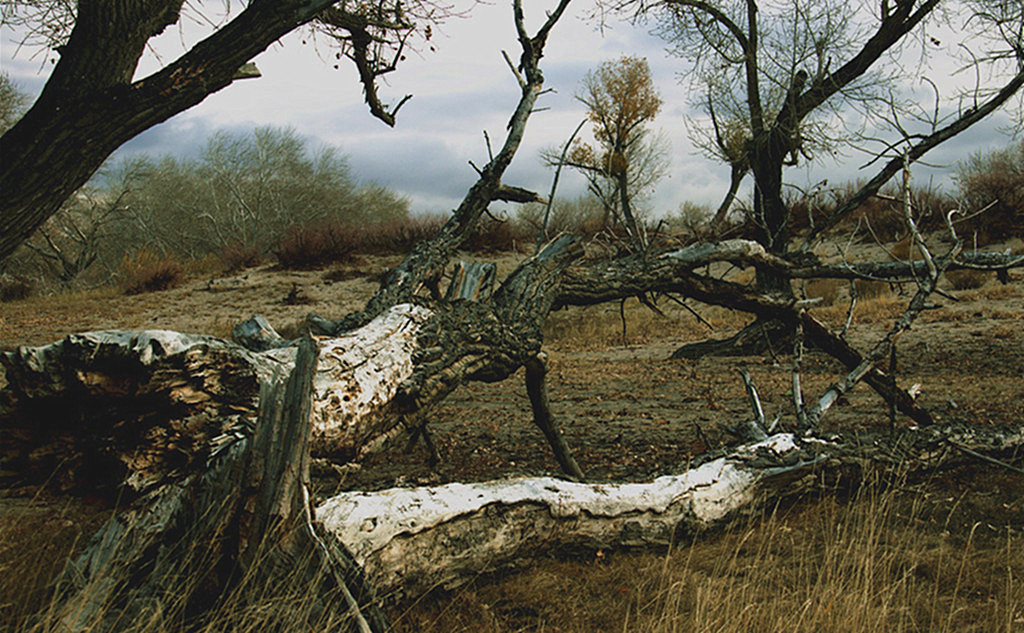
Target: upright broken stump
[(239, 527)]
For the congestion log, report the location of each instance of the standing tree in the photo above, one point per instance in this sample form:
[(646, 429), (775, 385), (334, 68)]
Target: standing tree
[(621, 101), (92, 102), (89, 230), (787, 76), (786, 71)]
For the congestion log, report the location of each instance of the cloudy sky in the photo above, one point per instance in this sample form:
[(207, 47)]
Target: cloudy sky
[(459, 91)]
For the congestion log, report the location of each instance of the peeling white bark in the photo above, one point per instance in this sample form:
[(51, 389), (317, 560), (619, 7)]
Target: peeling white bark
[(359, 373), (417, 538)]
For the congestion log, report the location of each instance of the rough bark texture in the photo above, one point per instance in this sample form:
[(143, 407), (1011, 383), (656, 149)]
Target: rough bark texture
[(102, 409), (240, 519), (139, 408)]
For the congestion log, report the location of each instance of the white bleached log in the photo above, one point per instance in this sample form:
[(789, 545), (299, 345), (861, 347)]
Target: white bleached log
[(359, 374), (414, 539)]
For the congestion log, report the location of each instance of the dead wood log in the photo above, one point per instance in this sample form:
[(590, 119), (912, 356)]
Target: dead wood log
[(472, 280), (137, 409), (102, 410), (672, 272), (240, 524), (412, 540)]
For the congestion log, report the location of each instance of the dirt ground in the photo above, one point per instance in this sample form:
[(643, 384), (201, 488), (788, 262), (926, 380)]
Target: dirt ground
[(628, 412)]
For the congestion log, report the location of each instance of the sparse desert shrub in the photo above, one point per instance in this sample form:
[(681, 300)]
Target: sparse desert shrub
[(239, 256), (149, 271), (401, 235), (317, 244), (494, 236), (582, 216), (15, 289), (967, 279), (994, 177)]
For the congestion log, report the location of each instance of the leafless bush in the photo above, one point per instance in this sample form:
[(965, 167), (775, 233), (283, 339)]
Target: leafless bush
[(400, 235), (149, 271), (994, 177), (15, 289), (496, 236), (239, 256), (314, 245), (582, 216)]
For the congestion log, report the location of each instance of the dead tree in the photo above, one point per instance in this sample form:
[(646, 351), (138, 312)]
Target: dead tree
[(210, 441)]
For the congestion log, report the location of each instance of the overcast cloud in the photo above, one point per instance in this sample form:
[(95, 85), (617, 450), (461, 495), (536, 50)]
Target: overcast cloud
[(459, 91)]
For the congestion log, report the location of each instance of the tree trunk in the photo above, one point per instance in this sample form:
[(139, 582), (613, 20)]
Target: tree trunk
[(138, 409), (736, 174), (239, 523)]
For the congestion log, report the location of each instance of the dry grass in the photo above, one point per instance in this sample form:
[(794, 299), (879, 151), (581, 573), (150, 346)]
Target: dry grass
[(36, 538), (903, 559), (601, 326)]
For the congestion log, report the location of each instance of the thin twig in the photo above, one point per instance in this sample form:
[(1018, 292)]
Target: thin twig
[(991, 460)]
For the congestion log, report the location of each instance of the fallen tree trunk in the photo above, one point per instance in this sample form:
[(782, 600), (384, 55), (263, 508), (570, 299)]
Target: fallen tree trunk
[(240, 525), (245, 508), (412, 540), (138, 409)]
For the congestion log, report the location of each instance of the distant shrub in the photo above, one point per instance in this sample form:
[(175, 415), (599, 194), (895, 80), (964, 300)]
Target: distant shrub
[(582, 216), (239, 256), (148, 271), (314, 245), (994, 177), (401, 235), (879, 216), (967, 279), (495, 236), (15, 289)]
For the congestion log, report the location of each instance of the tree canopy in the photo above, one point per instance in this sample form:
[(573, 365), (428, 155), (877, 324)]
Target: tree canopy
[(621, 101)]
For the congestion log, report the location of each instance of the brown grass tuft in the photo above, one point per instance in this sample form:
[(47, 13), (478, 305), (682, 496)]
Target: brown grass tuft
[(826, 289), (15, 289), (967, 279), (148, 271)]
